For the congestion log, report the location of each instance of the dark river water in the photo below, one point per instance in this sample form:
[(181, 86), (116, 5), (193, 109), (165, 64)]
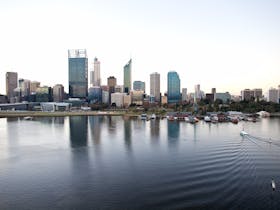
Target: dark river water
[(117, 163)]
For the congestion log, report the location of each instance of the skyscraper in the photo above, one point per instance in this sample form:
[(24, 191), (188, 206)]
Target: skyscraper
[(127, 77), (11, 83), (78, 73), (184, 94), (139, 85), (197, 92), (173, 87), (273, 95), (155, 86), (96, 73), (112, 82)]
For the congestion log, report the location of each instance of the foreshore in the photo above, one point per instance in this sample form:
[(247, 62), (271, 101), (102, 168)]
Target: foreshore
[(6, 114)]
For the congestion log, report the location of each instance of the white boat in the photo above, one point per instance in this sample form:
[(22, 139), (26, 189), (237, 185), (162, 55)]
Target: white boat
[(187, 119), (243, 133), (153, 116), (28, 118), (207, 119), (273, 184), (143, 116), (214, 119)]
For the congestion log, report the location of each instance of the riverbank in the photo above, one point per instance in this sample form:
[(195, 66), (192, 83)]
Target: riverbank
[(6, 114)]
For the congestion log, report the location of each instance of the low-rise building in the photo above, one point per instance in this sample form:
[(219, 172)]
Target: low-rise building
[(117, 99)]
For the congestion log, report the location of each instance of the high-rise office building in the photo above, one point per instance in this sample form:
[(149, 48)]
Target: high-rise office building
[(213, 91), (184, 94), (11, 83), (247, 95), (173, 87), (155, 86), (96, 73), (33, 86), (24, 85), (139, 85), (197, 92), (78, 73), (127, 76), (258, 93), (273, 95), (111, 82), (58, 93)]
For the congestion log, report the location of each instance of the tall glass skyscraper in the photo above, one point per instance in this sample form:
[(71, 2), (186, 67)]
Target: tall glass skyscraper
[(173, 87), (78, 73), (127, 77)]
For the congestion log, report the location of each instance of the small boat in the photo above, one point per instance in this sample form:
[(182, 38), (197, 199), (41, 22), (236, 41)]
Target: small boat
[(170, 118), (28, 118), (153, 116), (234, 120), (243, 133), (187, 119), (207, 119), (273, 185), (214, 119), (143, 116)]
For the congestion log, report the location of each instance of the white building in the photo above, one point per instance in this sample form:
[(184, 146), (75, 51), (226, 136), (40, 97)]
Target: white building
[(118, 99), (273, 95), (155, 86), (96, 73)]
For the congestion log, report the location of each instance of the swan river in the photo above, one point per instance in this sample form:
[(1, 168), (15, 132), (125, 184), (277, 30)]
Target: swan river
[(113, 162)]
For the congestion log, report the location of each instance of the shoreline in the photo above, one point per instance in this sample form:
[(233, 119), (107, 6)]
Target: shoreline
[(8, 114)]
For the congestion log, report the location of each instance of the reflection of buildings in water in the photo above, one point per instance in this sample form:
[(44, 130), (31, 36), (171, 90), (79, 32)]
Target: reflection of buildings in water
[(112, 122), (95, 128), (127, 133), (47, 120), (78, 130), (173, 129), (155, 125), (12, 119), (58, 120), (13, 131)]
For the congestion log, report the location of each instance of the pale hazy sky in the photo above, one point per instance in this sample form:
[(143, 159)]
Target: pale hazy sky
[(230, 45)]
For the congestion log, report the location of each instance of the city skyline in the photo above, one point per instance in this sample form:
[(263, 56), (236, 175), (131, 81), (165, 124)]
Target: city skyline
[(227, 45)]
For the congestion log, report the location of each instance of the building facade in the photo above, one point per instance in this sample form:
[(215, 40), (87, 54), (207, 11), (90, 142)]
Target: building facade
[(58, 93), (96, 73), (127, 76), (184, 94), (111, 82), (95, 95), (11, 83), (139, 85), (273, 95), (173, 87), (44, 94), (225, 97), (155, 86), (33, 86), (78, 73)]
